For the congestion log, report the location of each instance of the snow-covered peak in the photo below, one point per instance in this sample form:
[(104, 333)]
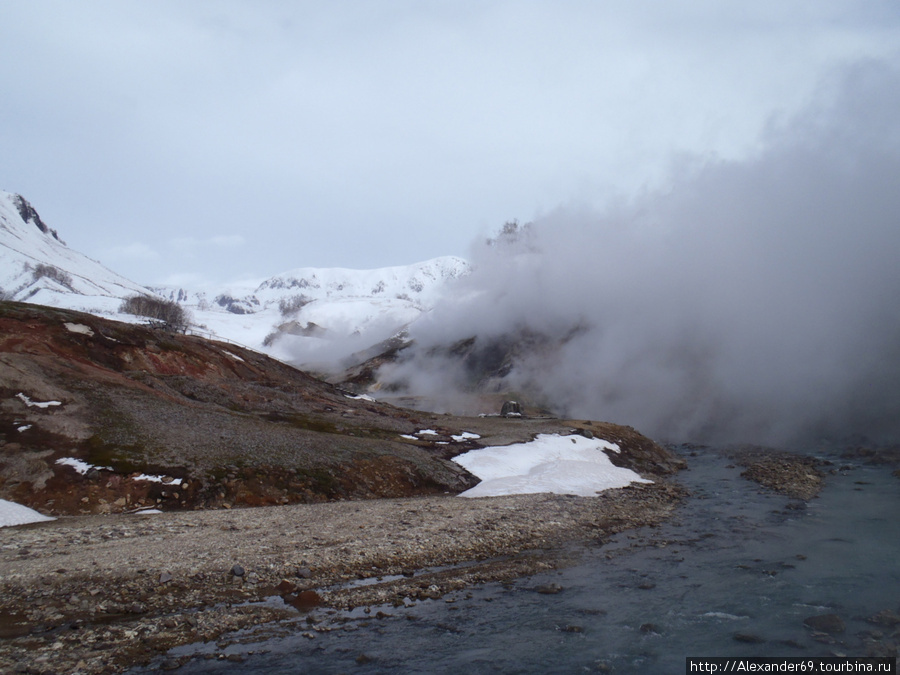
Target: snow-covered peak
[(29, 215), (37, 266), (407, 282)]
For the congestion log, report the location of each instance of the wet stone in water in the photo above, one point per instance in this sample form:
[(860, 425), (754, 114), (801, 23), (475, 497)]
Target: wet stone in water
[(825, 623)]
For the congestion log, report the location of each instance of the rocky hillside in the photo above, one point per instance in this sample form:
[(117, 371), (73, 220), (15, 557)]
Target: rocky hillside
[(99, 416), (209, 423)]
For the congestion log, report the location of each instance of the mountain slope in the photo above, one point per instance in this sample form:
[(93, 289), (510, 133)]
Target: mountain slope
[(318, 317), (222, 424), (37, 266), (99, 416)]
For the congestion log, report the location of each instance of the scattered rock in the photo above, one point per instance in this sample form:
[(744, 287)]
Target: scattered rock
[(748, 638), (825, 623), (549, 589), (793, 644), (237, 571), (791, 475), (511, 409), (305, 600), (885, 618), (285, 587)]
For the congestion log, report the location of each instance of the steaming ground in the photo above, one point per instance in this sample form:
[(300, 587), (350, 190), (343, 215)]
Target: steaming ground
[(753, 301)]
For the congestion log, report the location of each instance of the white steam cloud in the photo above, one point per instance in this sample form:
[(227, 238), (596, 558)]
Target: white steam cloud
[(756, 300)]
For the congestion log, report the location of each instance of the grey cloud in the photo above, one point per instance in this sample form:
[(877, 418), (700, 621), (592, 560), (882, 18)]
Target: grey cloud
[(397, 129), (754, 301)]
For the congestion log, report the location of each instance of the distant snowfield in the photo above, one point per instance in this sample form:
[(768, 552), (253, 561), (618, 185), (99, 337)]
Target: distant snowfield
[(571, 465), (16, 514)]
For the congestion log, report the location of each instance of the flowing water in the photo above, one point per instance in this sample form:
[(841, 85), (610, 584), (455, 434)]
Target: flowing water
[(735, 573)]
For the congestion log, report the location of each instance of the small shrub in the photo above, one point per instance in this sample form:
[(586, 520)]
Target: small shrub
[(50, 272), (169, 311)]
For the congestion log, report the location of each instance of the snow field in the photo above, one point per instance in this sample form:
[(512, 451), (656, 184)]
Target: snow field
[(550, 463)]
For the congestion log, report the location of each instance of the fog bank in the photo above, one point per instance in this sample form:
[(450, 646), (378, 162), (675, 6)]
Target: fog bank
[(753, 301)]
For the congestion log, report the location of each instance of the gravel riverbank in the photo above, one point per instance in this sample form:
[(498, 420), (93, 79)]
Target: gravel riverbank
[(100, 593)]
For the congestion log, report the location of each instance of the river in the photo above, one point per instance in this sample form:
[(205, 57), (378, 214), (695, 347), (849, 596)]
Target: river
[(734, 573)]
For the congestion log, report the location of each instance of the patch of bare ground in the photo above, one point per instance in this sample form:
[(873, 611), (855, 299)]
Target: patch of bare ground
[(102, 593)]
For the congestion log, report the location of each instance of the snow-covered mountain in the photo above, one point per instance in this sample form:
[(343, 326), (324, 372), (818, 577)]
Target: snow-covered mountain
[(37, 266), (312, 317), (317, 316)]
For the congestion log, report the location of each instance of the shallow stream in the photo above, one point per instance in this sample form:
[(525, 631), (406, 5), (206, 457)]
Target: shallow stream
[(735, 573)]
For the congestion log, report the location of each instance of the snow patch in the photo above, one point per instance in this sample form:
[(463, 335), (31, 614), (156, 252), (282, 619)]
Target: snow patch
[(361, 397), (427, 432), (409, 437), (15, 514), (36, 404), (464, 436), (80, 466), (550, 463), (24, 427), (157, 479), (79, 328)]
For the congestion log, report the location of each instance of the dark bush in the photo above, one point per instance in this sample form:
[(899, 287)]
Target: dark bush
[(167, 311), (51, 272)]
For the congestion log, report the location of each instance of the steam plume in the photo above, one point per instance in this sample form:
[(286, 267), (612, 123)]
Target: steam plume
[(756, 300)]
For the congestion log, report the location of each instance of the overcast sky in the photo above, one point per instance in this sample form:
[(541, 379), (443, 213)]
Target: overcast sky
[(186, 141)]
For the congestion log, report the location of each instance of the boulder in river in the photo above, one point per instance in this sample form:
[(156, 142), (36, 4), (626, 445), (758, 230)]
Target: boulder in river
[(825, 623)]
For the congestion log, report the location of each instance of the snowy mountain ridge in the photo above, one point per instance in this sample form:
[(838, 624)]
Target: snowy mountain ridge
[(304, 316), (314, 316), (419, 284)]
